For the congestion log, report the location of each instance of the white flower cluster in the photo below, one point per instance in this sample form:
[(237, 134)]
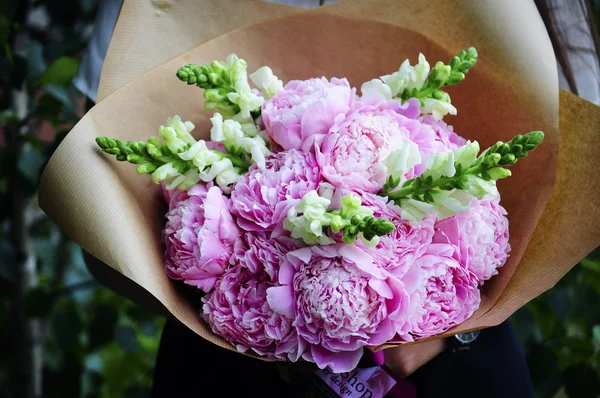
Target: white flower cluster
[(234, 137), (209, 164), (410, 77), (308, 218), (448, 203)]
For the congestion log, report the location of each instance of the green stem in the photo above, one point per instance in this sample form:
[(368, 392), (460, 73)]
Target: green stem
[(409, 190), (237, 162)]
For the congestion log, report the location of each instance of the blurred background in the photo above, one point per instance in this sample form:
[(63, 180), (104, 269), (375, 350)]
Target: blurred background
[(64, 335)]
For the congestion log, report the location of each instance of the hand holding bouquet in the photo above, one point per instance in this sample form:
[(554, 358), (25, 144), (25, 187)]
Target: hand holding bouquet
[(318, 221)]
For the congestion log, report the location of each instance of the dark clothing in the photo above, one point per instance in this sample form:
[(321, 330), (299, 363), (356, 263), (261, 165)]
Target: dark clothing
[(493, 367)]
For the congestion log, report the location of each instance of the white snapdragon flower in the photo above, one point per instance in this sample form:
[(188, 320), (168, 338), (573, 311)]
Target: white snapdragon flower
[(243, 96), (267, 82), (228, 130), (399, 80), (415, 211), (438, 108), (200, 155), (449, 203), (164, 172), (257, 148), (313, 206), (247, 123), (224, 174), (408, 76), (231, 133), (480, 188), (440, 164), (185, 181), (238, 69), (176, 134), (421, 71), (466, 154), (399, 161), (174, 179), (326, 190), (246, 100), (309, 225), (376, 87)]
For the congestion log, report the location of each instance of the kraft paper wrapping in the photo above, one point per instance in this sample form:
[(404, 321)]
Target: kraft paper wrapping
[(117, 216)]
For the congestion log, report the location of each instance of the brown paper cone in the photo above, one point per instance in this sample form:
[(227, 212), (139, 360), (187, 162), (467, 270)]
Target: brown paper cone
[(117, 216)]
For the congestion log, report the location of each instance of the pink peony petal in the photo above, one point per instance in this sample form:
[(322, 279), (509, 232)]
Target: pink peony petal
[(338, 362), (281, 300)]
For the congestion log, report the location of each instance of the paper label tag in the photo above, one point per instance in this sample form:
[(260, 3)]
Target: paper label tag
[(372, 382)]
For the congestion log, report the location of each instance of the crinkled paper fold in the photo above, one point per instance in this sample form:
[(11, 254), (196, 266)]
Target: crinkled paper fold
[(552, 198)]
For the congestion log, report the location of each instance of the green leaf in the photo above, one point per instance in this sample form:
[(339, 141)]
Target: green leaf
[(38, 303), (127, 339), (60, 72), (544, 317), (61, 95), (591, 264), (544, 371), (8, 117), (35, 58), (66, 324), (102, 327), (581, 381), (596, 334), (30, 163)]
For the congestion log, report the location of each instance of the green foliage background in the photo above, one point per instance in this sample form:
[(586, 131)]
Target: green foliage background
[(98, 344)]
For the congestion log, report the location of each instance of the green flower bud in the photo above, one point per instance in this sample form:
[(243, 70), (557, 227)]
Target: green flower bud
[(350, 203), (441, 73), (217, 67), (205, 69), (438, 95), (508, 159), (519, 139), (136, 159), (146, 168), (154, 151), (492, 159), (337, 223), (517, 148), (213, 95), (455, 77), (534, 138), (384, 227), (215, 79), (498, 173), (454, 62), (503, 149)]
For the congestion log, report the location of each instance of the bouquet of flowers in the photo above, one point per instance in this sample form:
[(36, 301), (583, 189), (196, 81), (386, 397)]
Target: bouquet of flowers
[(317, 221)]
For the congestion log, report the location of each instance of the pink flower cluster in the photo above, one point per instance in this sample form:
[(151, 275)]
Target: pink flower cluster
[(274, 295)]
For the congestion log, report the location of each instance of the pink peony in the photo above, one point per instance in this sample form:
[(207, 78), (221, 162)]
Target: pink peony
[(303, 112), (481, 235), (173, 196), (352, 153), (448, 293), (259, 251), (445, 138), (261, 198), (199, 237), (238, 310), (340, 301), (397, 251)]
